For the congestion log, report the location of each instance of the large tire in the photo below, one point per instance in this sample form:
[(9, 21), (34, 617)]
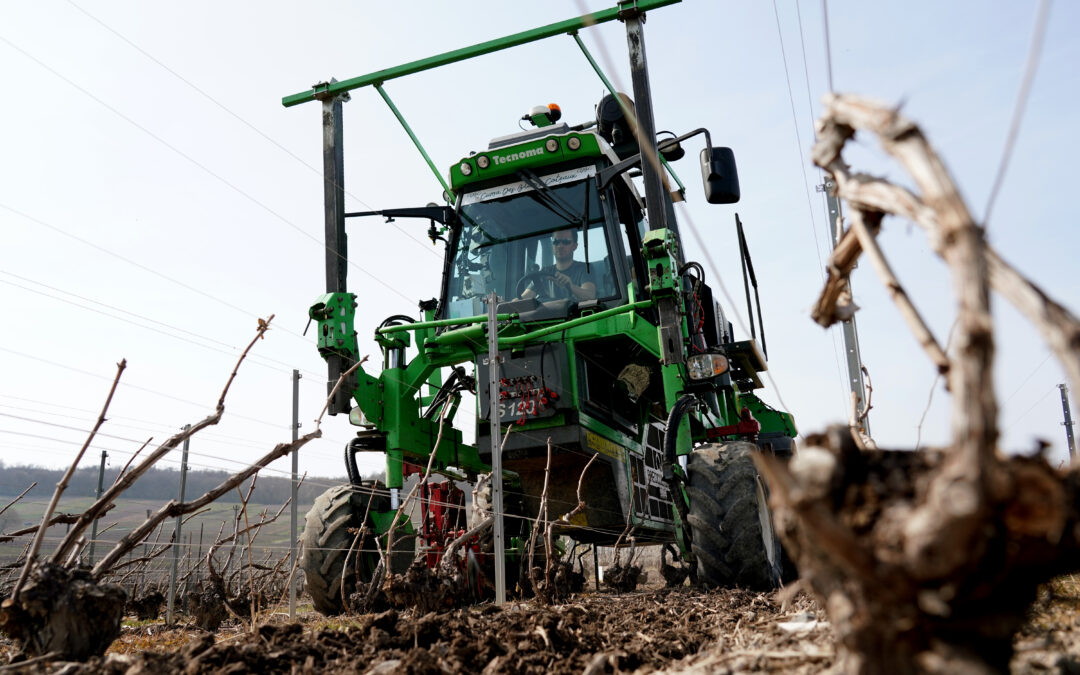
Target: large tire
[(327, 541), (731, 531)]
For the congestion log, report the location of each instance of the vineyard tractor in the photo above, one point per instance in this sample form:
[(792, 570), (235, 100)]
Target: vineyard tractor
[(610, 346)]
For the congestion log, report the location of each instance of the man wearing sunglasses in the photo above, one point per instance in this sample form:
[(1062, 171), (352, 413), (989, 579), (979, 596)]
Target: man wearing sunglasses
[(567, 278)]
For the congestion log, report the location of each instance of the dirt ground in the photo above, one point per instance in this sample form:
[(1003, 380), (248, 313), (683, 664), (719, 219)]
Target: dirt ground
[(681, 630)]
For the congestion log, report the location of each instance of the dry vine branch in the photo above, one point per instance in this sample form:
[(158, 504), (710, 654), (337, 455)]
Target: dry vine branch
[(899, 295), (174, 508), (1057, 325), (125, 481), (39, 537), (132, 459), (927, 561), (292, 571), (935, 544), (57, 519), (565, 518), (858, 417), (541, 523), (21, 495), (447, 561)]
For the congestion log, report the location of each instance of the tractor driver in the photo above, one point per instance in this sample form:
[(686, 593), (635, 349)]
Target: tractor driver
[(567, 278)]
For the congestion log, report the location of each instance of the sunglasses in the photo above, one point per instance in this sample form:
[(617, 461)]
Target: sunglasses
[(562, 242)]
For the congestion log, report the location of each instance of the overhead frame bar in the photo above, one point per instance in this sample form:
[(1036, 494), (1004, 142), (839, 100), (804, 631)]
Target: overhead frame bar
[(329, 89)]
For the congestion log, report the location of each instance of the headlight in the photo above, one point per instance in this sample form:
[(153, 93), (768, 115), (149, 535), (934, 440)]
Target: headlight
[(705, 366), (466, 168), (483, 162), (552, 145)]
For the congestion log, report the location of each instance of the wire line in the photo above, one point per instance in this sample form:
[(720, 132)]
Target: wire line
[(240, 119), (193, 161), (1021, 104)]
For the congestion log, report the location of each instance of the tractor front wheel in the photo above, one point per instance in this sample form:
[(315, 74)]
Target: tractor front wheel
[(731, 527), (327, 542)]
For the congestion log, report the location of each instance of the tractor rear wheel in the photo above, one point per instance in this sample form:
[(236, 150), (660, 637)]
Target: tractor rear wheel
[(327, 542), (731, 528)]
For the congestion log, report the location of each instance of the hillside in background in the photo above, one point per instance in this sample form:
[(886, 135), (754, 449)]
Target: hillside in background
[(156, 484)]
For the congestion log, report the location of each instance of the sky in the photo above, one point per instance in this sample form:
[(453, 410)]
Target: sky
[(156, 198)]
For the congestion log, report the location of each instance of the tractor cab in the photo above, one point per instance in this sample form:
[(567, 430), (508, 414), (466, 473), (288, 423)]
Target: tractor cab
[(537, 225)]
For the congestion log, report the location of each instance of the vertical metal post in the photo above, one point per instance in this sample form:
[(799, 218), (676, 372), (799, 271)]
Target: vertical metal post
[(496, 455), (657, 200), (294, 513), (1068, 420), (146, 554), (100, 487), (187, 563), (234, 562), (656, 196), (850, 330), (176, 534), (337, 247), (596, 567), (198, 560)]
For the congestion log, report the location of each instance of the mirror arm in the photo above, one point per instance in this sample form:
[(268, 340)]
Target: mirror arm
[(609, 174), (442, 214)]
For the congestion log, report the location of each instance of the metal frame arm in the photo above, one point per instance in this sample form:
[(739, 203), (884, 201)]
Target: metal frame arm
[(328, 89)]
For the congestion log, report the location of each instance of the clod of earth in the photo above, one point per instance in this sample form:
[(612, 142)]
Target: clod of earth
[(559, 584), (147, 607), (622, 578), (64, 612), (207, 607)]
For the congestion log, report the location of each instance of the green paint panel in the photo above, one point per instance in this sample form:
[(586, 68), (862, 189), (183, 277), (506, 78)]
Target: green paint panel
[(334, 314), (530, 155)]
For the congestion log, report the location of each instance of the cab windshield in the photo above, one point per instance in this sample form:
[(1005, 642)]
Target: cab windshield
[(515, 237)]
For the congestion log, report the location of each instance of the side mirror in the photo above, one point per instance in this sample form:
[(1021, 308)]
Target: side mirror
[(719, 176)]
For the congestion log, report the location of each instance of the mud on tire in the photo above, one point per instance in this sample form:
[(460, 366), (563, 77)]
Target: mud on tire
[(730, 524), (327, 541)]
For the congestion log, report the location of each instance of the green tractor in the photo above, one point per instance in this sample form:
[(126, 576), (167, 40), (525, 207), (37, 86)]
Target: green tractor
[(605, 342)]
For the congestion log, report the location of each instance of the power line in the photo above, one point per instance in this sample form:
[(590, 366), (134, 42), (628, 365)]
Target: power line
[(802, 166), (134, 386), (129, 261), (799, 145), (192, 160), (824, 202), (234, 353), (1021, 104), (1033, 406), (154, 426), (232, 350), (1029, 376), (240, 119), (106, 305), (828, 46)]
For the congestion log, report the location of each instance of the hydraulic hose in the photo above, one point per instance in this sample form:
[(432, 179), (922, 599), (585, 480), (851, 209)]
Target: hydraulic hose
[(671, 431), (350, 464), (396, 320), (671, 435)]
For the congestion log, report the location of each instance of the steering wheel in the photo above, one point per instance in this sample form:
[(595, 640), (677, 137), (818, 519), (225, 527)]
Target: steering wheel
[(539, 281)]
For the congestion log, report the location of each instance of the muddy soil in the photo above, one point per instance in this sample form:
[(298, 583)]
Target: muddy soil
[(680, 630)]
